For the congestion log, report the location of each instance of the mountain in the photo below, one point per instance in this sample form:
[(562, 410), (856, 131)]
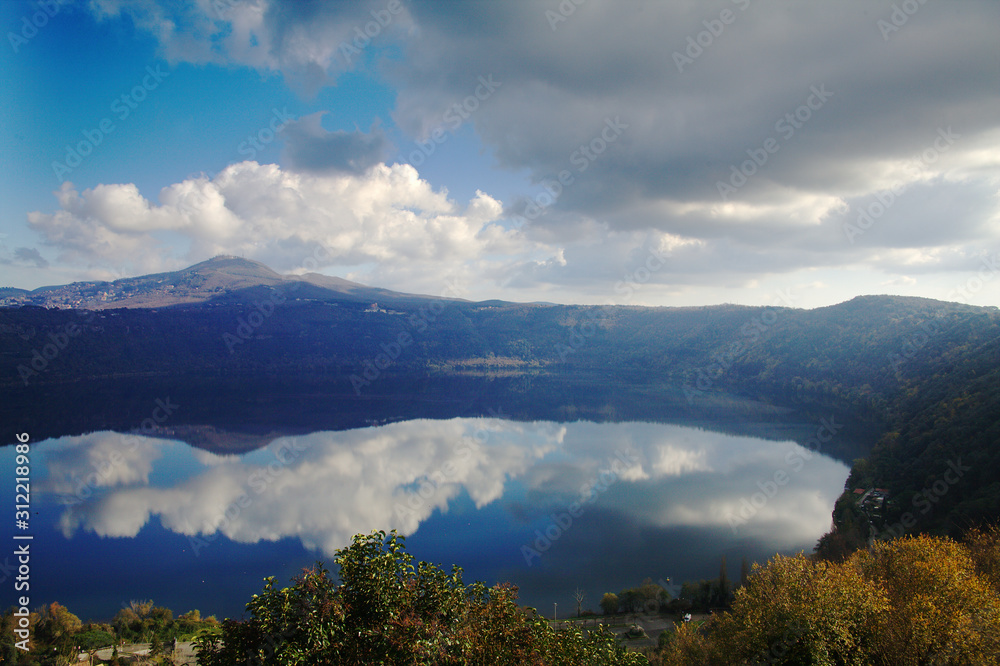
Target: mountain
[(233, 315), (220, 278), (246, 350)]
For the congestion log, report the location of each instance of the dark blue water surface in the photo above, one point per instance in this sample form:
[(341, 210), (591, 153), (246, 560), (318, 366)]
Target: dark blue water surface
[(550, 507)]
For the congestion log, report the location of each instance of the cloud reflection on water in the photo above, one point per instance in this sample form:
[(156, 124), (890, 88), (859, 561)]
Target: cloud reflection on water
[(326, 486)]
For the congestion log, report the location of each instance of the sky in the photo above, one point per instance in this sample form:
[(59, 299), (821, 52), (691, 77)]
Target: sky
[(568, 151)]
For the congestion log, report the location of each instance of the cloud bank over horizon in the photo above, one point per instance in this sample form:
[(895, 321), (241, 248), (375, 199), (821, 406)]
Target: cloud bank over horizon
[(830, 149)]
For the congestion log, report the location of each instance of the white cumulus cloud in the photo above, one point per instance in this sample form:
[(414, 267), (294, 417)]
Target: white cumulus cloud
[(385, 226)]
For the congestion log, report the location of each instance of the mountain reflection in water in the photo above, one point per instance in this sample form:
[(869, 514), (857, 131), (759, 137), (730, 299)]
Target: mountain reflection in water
[(549, 506)]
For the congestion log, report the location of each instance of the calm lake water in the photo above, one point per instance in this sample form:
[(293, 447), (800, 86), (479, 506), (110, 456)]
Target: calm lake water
[(546, 505)]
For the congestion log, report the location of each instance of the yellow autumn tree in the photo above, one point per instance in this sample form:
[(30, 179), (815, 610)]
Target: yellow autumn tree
[(796, 610), (919, 600), (984, 549), (688, 647), (942, 609)]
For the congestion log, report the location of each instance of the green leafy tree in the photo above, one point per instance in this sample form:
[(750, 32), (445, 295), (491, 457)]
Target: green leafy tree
[(651, 596), (156, 646), (9, 653), (92, 638), (53, 633), (609, 603), (389, 610), (141, 621), (700, 593)]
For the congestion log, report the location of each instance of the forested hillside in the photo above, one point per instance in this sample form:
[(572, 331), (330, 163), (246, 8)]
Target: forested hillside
[(922, 373)]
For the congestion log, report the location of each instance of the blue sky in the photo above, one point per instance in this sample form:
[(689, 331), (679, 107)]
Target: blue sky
[(708, 152)]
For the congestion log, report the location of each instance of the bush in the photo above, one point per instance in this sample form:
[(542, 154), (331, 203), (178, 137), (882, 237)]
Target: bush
[(388, 610), (919, 600)]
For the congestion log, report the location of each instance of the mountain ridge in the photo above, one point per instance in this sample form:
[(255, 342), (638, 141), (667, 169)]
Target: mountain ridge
[(209, 280), (226, 276)]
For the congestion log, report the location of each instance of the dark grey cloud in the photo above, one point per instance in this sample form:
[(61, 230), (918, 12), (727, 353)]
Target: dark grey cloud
[(827, 105), (25, 256), (312, 42), (686, 128), (311, 148), (30, 255)]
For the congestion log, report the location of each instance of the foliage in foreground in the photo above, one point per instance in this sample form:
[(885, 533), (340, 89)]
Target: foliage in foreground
[(56, 636), (923, 600), (386, 610)]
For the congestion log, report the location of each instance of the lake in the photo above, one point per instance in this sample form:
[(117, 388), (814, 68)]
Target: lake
[(548, 505)]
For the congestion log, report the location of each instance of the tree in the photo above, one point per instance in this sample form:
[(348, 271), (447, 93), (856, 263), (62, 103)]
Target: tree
[(389, 610), (983, 546), (651, 596), (942, 608), (628, 600), (799, 611), (140, 621), (578, 595), (54, 630), (688, 647), (700, 593), (722, 598), (93, 638), (922, 600), (744, 572), (609, 603)]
